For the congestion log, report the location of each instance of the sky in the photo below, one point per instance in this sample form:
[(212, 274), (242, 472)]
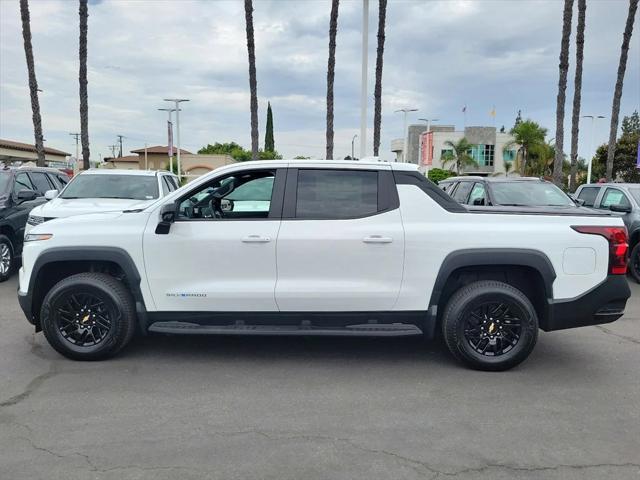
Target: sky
[(439, 56)]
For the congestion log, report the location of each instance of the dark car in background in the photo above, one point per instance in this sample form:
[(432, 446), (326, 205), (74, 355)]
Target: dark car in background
[(528, 192), (21, 189), (622, 199)]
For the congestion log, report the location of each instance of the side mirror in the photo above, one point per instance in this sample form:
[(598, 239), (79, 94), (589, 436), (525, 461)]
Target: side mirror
[(579, 201), (27, 195), (620, 208), (50, 194), (479, 201), (167, 217)]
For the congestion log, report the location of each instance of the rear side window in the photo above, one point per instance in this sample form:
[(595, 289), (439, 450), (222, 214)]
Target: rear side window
[(41, 182), (613, 196), (462, 192), (335, 194), (477, 196), (62, 179), (166, 186), (588, 194)]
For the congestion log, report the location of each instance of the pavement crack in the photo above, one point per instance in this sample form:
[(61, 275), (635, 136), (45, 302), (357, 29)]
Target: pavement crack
[(624, 337), (31, 387)]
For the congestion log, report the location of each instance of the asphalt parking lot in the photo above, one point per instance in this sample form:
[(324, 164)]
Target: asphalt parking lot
[(319, 408)]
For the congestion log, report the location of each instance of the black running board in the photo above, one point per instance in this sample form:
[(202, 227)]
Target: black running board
[(363, 330)]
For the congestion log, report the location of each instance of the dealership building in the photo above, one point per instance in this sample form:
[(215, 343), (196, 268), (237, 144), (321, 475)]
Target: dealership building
[(491, 148)]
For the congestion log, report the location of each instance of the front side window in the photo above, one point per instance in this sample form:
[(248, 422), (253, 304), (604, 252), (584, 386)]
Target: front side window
[(589, 194), (136, 187), (462, 192), (613, 196), (529, 194), (476, 197), (336, 194), (242, 195), (41, 182), (22, 182)]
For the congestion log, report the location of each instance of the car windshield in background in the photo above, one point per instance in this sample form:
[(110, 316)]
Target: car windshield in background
[(635, 192), (136, 187), (529, 194), (4, 181)]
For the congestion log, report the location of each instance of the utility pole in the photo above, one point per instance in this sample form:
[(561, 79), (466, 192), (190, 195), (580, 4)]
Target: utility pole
[(120, 137), (363, 91), (113, 149), (405, 130), (353, 140), (177, 101), (169, 136), (75, 165), (593, 150)]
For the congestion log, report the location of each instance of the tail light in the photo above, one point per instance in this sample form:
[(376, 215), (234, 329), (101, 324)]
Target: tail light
[(618, 246)]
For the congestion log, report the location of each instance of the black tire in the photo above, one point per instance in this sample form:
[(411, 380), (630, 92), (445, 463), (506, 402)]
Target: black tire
[(76, 296), (6, 265), (634, 263), (463, 323)]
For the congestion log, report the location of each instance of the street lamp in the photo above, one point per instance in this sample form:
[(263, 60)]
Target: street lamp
[(593, 127), (363, 87), (169, 136), (352, 152), (177, 101), (404, 129)]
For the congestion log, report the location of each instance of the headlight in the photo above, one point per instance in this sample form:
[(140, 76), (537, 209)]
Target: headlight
[(36, 237), (35, 220)]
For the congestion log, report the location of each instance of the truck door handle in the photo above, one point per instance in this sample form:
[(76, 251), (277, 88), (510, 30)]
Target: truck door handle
[(377, 239), (255, 239)]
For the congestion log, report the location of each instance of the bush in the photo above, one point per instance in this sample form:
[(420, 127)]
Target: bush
[(436, 175)]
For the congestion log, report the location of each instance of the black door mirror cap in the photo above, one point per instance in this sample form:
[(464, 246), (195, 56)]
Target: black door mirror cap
[(26, 195), (167, 217), (620, 208)]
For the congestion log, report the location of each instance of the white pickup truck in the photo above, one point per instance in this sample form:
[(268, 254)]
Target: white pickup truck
[(323, 248)]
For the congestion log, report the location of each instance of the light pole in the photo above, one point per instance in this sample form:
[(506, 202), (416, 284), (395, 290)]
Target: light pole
[(593, 130), (169, 136), (404, 130), (177, 101), (363, 92), (76, 166), (352, 151)]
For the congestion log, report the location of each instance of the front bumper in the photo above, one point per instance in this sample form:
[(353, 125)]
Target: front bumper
[(602, 304)]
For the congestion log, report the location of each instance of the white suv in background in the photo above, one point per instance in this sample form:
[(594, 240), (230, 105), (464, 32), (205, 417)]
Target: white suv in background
[(102, 190)]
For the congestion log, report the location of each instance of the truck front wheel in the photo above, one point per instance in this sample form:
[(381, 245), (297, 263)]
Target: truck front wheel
[(490, 325), (88, 316)]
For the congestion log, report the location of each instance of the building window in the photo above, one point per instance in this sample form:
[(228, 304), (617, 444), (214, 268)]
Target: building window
[(488, 154), (483, 154), (446, 153), (509, 155)]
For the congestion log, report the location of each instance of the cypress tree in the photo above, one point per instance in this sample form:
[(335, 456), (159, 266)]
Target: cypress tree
[(269, 143)]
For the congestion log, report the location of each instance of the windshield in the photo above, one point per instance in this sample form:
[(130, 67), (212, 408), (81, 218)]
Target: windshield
[(135, 187), (530, 194), (4, 181)]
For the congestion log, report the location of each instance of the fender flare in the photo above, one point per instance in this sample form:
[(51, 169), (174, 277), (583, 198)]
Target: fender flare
[(115, 255), (493, 257)]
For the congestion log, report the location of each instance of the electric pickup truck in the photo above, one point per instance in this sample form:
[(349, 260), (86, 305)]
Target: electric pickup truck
[(323, 248)]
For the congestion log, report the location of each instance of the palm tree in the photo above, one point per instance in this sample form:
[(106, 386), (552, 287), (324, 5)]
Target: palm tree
[(331, 72), (459, 155), (562, 87), (577, 93), (84, 100), (527, 135), (617, 93), (253, 85), (33, 84), (377, 92)]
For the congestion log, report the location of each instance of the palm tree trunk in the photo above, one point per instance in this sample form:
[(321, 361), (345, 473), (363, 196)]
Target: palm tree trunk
[(617, 94), (577, 93), (253, 85), (84, 99), (377, 92), (331, 72), (33, 84), (562, 87)]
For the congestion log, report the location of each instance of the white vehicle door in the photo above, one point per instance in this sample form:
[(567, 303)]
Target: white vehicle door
[(341, 241), (217, 259)]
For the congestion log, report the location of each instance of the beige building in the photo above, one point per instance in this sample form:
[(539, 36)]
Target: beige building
[(157, 158), (12, 152)]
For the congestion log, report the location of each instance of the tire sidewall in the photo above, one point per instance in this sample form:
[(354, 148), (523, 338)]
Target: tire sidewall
[(4, 240), (635, 252)]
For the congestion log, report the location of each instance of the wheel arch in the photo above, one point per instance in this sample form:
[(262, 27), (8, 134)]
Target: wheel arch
[(58, 263), (527, 269)]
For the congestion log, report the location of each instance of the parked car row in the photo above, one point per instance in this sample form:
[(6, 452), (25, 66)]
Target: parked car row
[(30, 196)]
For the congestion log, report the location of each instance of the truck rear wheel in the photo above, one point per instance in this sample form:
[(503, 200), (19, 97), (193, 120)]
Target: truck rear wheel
[(634, 263), (490, 325), (6, 257), (88, 316)]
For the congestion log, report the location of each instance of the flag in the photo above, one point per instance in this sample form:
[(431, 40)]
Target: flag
[(464, 109), (170, 138), (493, 112)]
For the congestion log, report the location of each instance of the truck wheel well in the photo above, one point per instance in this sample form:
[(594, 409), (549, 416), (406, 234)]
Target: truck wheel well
[(8, 231), (635, 236), (526, 279), (53, 272)]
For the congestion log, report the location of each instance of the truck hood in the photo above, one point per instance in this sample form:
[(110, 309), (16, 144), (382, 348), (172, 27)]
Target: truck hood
[(545, 210), (63, 207)]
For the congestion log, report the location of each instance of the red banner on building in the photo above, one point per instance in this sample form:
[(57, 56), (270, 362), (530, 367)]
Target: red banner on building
[(426, 153)]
